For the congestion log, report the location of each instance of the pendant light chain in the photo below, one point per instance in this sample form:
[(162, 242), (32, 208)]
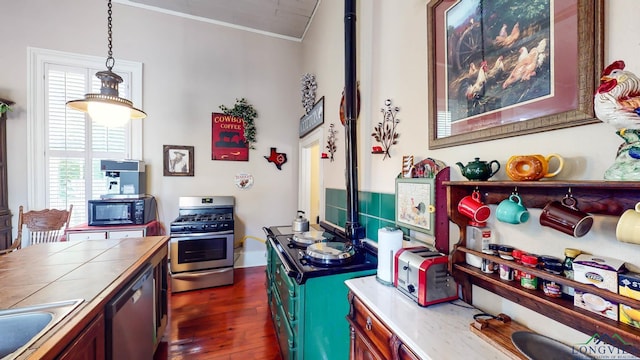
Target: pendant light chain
[(110, 61), (108, 108)]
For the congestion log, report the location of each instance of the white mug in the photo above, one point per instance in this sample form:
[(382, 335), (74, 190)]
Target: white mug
[(628, 228)]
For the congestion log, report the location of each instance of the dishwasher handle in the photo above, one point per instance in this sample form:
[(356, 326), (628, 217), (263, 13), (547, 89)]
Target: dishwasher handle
[(128, 292)]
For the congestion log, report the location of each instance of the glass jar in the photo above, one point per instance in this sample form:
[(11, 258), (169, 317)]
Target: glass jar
[(506, 252), (552, 265), (494, 248), (567, 268), (529, 281)]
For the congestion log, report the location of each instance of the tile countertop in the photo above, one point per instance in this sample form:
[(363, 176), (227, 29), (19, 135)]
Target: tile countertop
[(439, 331), (93, 270)]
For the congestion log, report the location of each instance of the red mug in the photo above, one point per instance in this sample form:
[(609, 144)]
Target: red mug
[(471, 207), (565, 216)]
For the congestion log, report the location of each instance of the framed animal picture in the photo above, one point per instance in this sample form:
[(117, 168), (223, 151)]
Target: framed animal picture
[(227, 138), (178, 160), (415, 204), (503, 68)]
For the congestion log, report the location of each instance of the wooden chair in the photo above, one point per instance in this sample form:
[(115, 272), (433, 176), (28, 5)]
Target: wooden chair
[(44, 226)]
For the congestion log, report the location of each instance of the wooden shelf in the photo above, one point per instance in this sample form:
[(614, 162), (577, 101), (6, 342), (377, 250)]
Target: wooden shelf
[(559, 309), (556, 278), (597, 197)]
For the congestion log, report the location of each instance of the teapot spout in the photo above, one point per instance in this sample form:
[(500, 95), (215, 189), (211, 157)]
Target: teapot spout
[(461, 166)]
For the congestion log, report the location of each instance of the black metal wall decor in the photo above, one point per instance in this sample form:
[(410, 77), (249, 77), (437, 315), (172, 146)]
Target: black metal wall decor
[(331, 141), (308, 91), (278, 159), (385, 132)]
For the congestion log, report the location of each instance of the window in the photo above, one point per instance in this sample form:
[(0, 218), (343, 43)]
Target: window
[(65, 145)]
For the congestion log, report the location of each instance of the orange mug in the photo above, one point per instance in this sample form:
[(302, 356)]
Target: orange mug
[(532, 167), (471, 207)]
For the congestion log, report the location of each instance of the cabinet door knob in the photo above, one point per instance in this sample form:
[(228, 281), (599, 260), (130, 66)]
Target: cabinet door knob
[(369, 324)]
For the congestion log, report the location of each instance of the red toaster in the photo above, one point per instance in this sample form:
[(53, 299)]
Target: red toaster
[(421, 273)]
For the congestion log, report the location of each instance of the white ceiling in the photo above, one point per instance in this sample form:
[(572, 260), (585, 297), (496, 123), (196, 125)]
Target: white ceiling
[(282, 18)]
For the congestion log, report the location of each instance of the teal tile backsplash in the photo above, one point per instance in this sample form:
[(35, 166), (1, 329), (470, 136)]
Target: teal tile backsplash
[(376, 210)]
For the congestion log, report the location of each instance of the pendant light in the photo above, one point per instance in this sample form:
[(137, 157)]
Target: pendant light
[(108, 108)]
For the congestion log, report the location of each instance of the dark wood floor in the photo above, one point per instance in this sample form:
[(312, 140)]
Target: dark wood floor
[(227, 322)]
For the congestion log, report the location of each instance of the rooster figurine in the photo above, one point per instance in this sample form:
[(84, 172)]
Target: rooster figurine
[(617, 102)]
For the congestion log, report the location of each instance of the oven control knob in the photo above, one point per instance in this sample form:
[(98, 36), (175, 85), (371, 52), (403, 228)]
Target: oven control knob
[(411, 288)]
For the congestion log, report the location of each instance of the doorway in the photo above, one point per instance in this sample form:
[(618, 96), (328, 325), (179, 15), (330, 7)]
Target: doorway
[(310, 185)]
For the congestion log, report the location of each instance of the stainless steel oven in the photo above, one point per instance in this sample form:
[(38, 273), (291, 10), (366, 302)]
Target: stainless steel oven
[(201, 243), (200, 251)]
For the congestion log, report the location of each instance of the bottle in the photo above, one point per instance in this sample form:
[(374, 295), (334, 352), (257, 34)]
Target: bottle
[(478, 239), (567, 268)]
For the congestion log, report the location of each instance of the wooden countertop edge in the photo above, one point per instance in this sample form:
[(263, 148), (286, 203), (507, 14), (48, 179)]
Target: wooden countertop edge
[(55, 340)]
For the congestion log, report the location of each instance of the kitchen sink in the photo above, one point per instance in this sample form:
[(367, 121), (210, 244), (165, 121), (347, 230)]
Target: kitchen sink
[(21, 327), (539, 347)]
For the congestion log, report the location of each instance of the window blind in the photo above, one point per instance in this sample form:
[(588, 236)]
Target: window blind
[(75, 144)]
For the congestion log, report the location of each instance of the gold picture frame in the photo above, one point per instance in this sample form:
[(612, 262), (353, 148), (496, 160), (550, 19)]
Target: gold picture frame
[(570, 48)]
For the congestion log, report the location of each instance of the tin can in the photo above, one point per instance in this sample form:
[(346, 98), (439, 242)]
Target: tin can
[(487, 265), (529, 281), (517, 257), (506, 272), (551, 288), (552, 265)]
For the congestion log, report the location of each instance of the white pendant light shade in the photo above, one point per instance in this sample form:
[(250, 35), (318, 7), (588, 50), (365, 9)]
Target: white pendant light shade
[(109, 115)]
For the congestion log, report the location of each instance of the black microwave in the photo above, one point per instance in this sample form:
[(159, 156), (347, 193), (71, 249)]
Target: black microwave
[(122, 211)]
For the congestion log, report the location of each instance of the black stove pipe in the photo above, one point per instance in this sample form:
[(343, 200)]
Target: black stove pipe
[(353, 229)]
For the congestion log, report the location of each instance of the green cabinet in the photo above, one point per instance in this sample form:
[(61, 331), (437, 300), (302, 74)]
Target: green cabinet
[(310, 318)]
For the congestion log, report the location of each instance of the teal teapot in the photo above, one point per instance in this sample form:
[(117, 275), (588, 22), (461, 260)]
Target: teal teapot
[(479, 170)]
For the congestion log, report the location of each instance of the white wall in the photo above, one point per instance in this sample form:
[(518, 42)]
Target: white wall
[(392, 63), (190, 69)]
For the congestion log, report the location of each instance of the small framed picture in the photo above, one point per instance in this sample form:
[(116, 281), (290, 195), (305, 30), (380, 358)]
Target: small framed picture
[(415, 204), (178, 160)]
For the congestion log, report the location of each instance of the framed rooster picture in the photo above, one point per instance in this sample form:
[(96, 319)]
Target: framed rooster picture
[(501, 68)]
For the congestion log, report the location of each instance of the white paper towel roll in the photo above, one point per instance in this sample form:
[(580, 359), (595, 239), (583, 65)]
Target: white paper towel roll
[(389, 242)]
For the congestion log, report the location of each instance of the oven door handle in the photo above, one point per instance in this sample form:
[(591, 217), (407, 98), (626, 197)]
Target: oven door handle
[(283, 260), (197, 274), (205, 234)]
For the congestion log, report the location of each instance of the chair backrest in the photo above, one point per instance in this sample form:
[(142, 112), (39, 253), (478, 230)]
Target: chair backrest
[(48, 225)]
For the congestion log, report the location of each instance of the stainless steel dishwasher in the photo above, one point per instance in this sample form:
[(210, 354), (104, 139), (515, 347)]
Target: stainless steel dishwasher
[(130, 320)]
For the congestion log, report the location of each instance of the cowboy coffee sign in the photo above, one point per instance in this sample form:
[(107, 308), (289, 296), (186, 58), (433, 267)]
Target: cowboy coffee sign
[(227, 138)]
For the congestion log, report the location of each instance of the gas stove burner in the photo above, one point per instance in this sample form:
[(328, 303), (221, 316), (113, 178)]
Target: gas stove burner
[(329, 253), (307, 238), (204, 218)]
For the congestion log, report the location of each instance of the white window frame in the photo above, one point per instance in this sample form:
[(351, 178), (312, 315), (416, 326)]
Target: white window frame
[(36, 131)]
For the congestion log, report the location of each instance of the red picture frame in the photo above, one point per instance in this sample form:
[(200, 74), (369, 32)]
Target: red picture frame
[(227, 138), (557, 92)]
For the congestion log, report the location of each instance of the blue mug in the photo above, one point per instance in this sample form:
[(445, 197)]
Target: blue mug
[(512, 211)]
